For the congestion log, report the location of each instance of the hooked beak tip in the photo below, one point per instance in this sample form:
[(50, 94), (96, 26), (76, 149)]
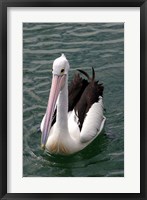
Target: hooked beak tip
[(43, 146)]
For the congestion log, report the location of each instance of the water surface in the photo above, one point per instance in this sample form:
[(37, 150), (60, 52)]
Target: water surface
[(86, 45)]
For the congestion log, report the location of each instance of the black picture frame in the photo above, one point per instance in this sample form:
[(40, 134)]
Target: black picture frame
[(4, 4)]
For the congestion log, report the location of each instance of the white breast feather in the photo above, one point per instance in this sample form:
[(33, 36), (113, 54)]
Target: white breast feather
[(42, 123), (73, 127)]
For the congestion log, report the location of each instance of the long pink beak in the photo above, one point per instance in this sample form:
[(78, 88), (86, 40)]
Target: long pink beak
[(57, 84)]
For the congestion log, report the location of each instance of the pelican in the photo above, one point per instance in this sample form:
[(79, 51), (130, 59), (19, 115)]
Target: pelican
[(74, 117)]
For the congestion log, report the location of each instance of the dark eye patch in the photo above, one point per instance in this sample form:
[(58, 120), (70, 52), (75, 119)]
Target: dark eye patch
[(62, 70)]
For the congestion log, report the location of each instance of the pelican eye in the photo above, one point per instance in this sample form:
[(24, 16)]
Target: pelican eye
[(62, 70)]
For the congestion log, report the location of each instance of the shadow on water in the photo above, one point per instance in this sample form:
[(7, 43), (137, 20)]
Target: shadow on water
[(96, 147)]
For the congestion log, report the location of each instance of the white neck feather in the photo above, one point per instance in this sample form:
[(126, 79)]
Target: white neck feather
[(62, 109)]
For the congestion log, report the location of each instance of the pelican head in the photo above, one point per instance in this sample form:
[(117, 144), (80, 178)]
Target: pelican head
[(60, 71), (60, 66)]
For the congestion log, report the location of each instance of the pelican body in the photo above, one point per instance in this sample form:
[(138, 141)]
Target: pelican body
[(74, 115)]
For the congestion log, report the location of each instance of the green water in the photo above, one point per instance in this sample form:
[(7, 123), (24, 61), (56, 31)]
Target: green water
[(86, 45)]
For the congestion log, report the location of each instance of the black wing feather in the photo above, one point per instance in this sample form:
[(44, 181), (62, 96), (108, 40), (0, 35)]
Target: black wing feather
[(76, 89), (88, 98)]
